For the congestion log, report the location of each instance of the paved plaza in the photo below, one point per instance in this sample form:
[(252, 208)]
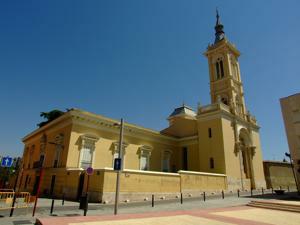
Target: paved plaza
[(215, 210)]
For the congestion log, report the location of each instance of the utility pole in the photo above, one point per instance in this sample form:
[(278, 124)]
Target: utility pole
[(119, 171)]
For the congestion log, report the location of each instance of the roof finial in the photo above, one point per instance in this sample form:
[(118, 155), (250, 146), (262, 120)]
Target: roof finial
[(217, 12), (220, 34)]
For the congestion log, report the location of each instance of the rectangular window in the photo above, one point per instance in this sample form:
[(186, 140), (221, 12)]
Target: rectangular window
[(41, 161), (209, 133), (185, 159), (86, 158), (217, 70), (222, 69), (144, 162), (212, 163)]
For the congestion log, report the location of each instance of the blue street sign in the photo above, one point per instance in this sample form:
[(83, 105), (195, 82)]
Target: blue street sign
[(7, 161), (117, 164)]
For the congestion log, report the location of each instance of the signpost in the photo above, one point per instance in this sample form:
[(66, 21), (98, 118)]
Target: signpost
[(89, 172), (7, 161)]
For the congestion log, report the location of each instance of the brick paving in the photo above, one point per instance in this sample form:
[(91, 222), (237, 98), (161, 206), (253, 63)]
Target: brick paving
[(221, 216)]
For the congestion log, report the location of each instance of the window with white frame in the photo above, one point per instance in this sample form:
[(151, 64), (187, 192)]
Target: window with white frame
[(145, 153), (87, 151), (59, 139), (166, 161), (115, 153)]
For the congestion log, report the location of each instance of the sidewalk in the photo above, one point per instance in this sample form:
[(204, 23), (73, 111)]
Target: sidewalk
[(220, 216), (71, 211)]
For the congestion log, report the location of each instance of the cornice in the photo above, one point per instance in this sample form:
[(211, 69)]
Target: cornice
[(106, 124), (222, 114), (219, 47), (51, 127)]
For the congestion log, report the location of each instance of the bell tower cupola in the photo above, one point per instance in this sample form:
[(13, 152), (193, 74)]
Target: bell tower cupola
[(224, 72), (220, 34)]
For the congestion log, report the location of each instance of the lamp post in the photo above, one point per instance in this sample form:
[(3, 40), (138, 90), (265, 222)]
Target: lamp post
[(119, 170), (292, 165)]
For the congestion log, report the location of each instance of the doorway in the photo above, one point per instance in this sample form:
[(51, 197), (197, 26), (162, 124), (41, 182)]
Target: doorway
[(80, 185)]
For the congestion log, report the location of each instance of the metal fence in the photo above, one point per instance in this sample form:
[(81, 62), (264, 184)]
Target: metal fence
[(7, 196)]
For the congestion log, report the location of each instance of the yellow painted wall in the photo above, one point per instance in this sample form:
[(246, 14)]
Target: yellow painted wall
[(142, 182), (257, 162), (104, 149), (211, 147), (201, 182)]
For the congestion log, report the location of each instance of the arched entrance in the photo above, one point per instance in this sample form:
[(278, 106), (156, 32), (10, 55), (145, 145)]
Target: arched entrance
[(246, 150)]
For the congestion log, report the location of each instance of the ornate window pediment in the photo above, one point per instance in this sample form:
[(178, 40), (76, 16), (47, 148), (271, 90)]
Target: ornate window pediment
[(116, 147)]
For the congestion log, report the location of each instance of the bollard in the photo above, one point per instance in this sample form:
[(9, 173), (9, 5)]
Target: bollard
[(63, 199), (288, 189), (272, 190), (279, 187), (238, 193), (181, 199), (262, 191), (86, 205), (52, 206), (13, 206), (251, 191), (222, 194), (152, 200), (204, 196)]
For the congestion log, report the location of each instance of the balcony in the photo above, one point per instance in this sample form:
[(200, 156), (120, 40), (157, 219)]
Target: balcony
[(213, 107)]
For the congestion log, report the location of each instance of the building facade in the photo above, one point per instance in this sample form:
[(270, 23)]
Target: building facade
[(216, 147), (290, 107)]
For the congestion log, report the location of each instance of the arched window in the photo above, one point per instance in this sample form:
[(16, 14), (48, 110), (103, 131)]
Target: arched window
[(224, 100), (219, 68)]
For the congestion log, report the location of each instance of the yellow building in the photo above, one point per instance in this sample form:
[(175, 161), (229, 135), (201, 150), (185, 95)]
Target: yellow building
[(216, 147), (290, 107)]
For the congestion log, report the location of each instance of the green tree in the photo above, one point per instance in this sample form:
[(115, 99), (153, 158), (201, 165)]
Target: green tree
[(50, 116)]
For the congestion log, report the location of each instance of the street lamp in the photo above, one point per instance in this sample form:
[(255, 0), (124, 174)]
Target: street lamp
[(292, 165), (119, 170)]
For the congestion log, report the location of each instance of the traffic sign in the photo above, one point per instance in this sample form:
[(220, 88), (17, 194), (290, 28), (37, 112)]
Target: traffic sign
[(117, 164), (7, 161), (89, 171)]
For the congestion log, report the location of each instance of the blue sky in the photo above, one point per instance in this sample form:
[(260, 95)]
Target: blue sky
[(140, 59)]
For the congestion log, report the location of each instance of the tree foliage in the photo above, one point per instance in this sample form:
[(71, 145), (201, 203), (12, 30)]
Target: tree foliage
[(50, 116)]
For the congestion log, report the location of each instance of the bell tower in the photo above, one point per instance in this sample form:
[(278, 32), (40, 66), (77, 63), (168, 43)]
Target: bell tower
[(225, 79)]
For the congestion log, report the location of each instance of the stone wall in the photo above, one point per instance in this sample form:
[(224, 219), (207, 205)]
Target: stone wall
[(279, 174)]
